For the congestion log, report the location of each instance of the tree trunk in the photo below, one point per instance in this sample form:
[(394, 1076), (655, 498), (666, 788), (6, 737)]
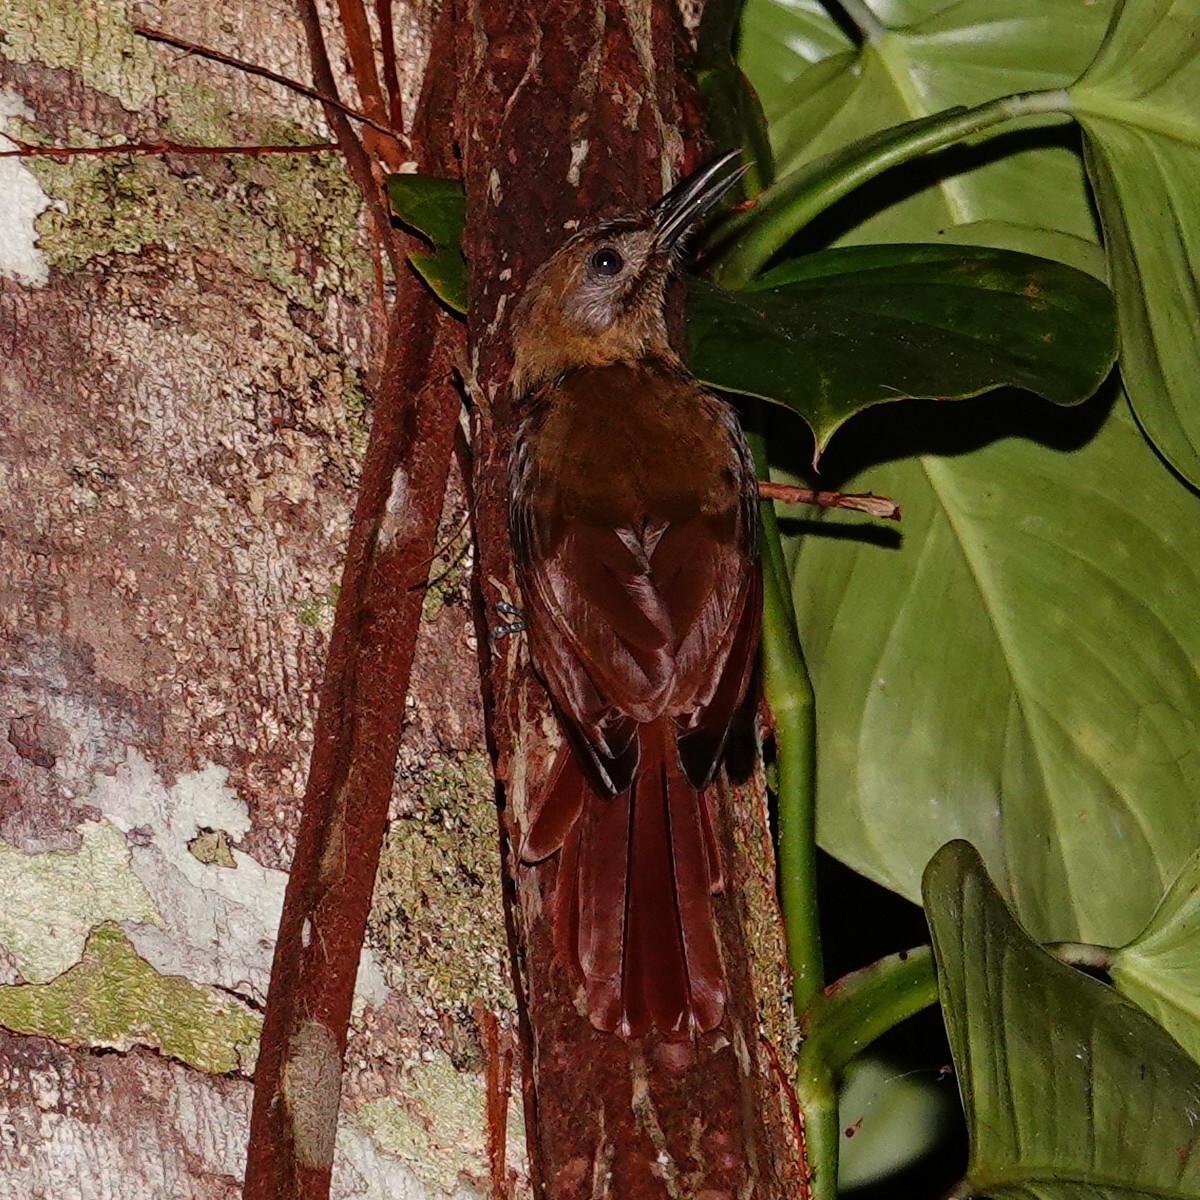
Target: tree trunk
[(190, 359), (192, 351), (567, 116)]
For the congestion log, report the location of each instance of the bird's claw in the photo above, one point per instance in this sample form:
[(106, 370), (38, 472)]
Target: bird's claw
[(517, 625)]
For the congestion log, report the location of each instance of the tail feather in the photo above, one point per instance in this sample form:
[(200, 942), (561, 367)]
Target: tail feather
[(694, 871), (632, 905), (603, 874), (654, 978), (556, 810), (712, 848)]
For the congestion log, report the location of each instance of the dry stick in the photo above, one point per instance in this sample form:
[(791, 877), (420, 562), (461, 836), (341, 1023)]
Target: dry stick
[(867, 502), (789, 1090), (169, 39), (497, 1089), (297, 1081), (362, 56), (391, 76), (363, 71), (356, 156), (28, 150)]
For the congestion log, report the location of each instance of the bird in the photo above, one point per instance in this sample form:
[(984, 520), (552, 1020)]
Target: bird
[(633, 520)]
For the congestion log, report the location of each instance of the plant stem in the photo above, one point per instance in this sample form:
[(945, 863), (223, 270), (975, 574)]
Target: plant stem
[(798, 197), (851, 1013), (790, 697), (839, 1024), (817, 1096), (864, 19)]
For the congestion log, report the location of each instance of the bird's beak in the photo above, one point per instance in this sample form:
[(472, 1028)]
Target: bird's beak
[(693, 196)]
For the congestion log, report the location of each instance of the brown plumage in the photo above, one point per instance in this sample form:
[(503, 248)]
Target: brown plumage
[(633, 518)]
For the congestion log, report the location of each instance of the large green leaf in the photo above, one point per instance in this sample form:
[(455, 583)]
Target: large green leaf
[(1022, 671), (1160, 968), (1070, 1091), (834, 333), (779, 40), (933, 56), (1139, 103)]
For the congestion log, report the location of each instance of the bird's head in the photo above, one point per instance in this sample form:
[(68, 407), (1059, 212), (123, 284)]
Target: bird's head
[(599, 298)]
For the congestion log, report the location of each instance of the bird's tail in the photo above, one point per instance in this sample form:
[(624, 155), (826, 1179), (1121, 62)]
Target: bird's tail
[(632, 906)]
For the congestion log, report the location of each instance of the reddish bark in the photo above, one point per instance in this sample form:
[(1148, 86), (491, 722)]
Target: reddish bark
[(567, 115), (294, 1119)]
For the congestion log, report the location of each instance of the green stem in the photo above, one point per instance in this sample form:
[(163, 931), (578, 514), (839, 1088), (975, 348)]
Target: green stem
[(839, 1024), (753, 237), (816, 1093), (790, 697), (851, 1013), (864, 20)]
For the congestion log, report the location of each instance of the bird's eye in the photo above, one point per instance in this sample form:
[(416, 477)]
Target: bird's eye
[(606, 261)]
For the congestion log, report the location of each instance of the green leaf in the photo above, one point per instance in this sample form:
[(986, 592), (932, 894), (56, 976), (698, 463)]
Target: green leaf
[(1160, 969), (834, 333), (733, 116), (445, 270), (779, 40), (933, 57), (1022, 671), (752, 236), (1070, 1091), (1139, 103), (435, 208)]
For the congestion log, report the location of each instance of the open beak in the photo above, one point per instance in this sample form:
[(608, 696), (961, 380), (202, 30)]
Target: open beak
[(694, 196)]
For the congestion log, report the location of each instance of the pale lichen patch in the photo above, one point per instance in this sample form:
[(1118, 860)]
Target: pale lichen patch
[(113, 998), (436, 917), (310, 1089), (52, 900), (435, 1123), (22, 201), (579, 153), (292, 222), (93, 40), (217, 925)]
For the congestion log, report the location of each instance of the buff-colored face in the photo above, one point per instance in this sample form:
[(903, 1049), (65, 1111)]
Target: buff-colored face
[(608, 273), (598, 299)]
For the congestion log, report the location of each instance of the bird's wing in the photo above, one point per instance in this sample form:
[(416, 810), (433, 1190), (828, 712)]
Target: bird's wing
[(629, 625)]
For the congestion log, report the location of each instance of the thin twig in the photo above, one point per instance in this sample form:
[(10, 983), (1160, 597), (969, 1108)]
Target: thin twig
[(784, 1080), (357, 162), (169, 39), (498, 1061), (28, 150), (864, 19), (364, 72), (867, 502), (391, 76), (362, 56)]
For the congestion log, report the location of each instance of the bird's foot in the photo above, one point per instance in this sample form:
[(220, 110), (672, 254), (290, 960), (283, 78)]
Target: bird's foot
[(516, 625)]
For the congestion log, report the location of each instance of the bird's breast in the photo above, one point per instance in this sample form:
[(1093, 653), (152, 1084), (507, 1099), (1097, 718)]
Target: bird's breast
[(628, 443)]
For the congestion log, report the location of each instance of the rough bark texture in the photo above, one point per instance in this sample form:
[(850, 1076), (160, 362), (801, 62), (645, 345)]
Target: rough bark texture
[(570, 113), (188, 365), (189, 360)]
